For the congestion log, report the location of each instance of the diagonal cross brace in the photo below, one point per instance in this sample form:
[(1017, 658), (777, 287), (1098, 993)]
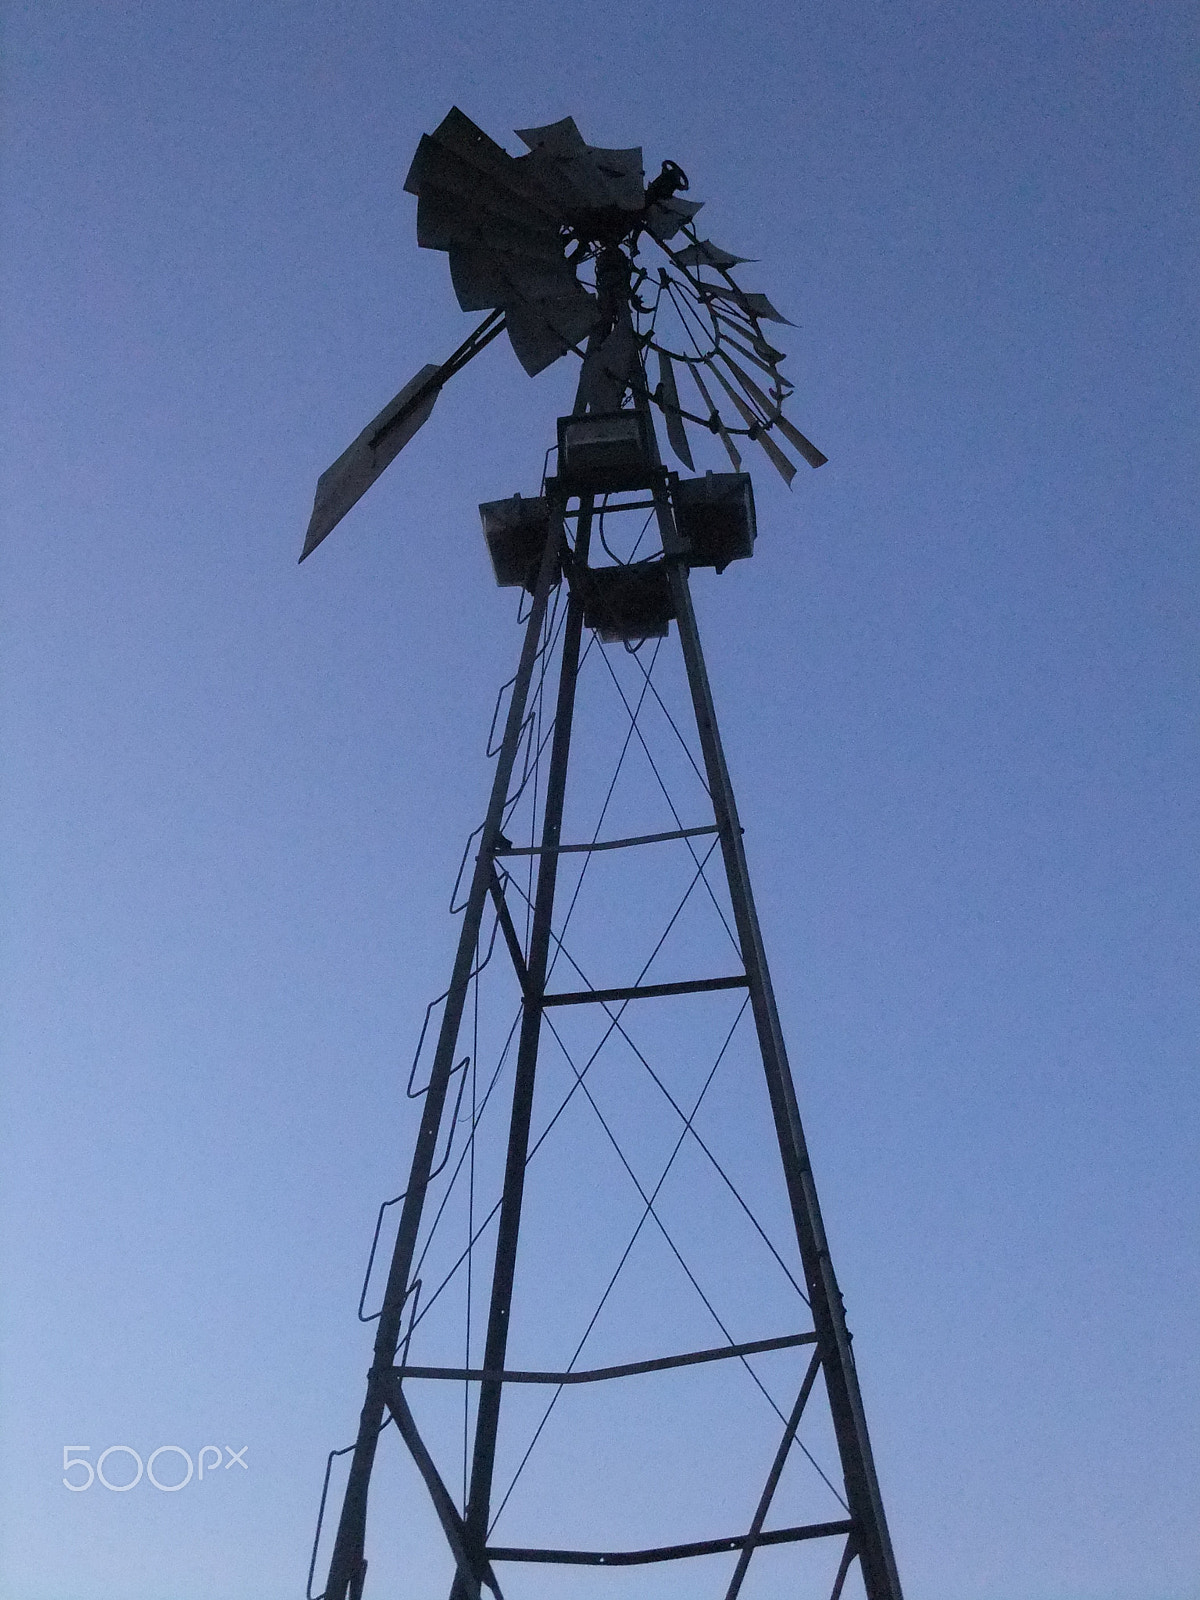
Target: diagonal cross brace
[(511, 939), (472, 1573), (754, 1537)]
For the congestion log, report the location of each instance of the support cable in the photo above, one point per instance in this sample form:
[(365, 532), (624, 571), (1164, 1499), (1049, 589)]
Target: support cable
[(678, 821), (615, 1025), (754, 1537), (711, 1309), (600, 819), (540, 1140), (618, 1026), (510, 803), (549, 638), (687, 750), (848, 1555), (621, 1263), (661, 1225), (470, 1229)]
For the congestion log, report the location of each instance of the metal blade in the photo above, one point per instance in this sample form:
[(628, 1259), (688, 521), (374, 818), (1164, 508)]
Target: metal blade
[(622, 170), (445, 218), (542, 331), (807, 449), (704, 253), (452, 178), (716, 424), (754, 335), (676, 432), (785, 468), (582, 174), (747, 383), (457, 135), (560, 138), (782, 465), (757, 304), (377, 446), (665, 219), (772, 372), (805, 446), (562, 163), (484, 278)]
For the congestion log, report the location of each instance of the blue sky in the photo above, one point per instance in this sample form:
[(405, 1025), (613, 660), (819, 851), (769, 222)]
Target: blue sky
[(957, 684)]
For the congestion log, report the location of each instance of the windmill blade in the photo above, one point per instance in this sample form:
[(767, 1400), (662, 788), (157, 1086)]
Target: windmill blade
[(676, 432), (814, 457), (715, 423), (756, 305), (754, 335), (582, 177), (446, 218), (704, 253), (625, 174), (443, 172), (495, 171), (501, 218), (665, 219), (748, 384), (488, 278), (772, 372), (807, 449), (541, 331), (785, 468)]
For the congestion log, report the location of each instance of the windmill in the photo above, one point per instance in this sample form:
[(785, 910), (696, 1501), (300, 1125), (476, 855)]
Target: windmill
[(570, 251)]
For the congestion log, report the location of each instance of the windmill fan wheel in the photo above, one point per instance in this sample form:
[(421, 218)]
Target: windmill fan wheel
[(579, 254)]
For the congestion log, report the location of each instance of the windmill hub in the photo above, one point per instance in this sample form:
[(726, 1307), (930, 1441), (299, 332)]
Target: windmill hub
[(612, 225)]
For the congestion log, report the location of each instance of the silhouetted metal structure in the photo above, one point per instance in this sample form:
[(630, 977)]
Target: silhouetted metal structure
[(549, 245)]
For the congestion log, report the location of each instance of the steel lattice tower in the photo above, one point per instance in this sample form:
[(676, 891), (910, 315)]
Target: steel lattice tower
[(583, 595)]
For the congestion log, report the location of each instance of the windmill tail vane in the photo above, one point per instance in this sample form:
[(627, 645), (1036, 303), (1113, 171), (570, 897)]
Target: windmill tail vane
[(569, 251)]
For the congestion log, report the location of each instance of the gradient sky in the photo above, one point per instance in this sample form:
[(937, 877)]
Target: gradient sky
[(957, 683)]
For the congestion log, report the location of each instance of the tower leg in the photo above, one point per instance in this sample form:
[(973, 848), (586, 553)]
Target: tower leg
[(347, 1566), (536, 965), (873, 1542)]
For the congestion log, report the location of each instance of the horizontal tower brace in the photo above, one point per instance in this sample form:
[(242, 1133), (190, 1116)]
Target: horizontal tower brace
[(646, 991), (604, 844), (631, 1369), (624, 505), (671, 1552)]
